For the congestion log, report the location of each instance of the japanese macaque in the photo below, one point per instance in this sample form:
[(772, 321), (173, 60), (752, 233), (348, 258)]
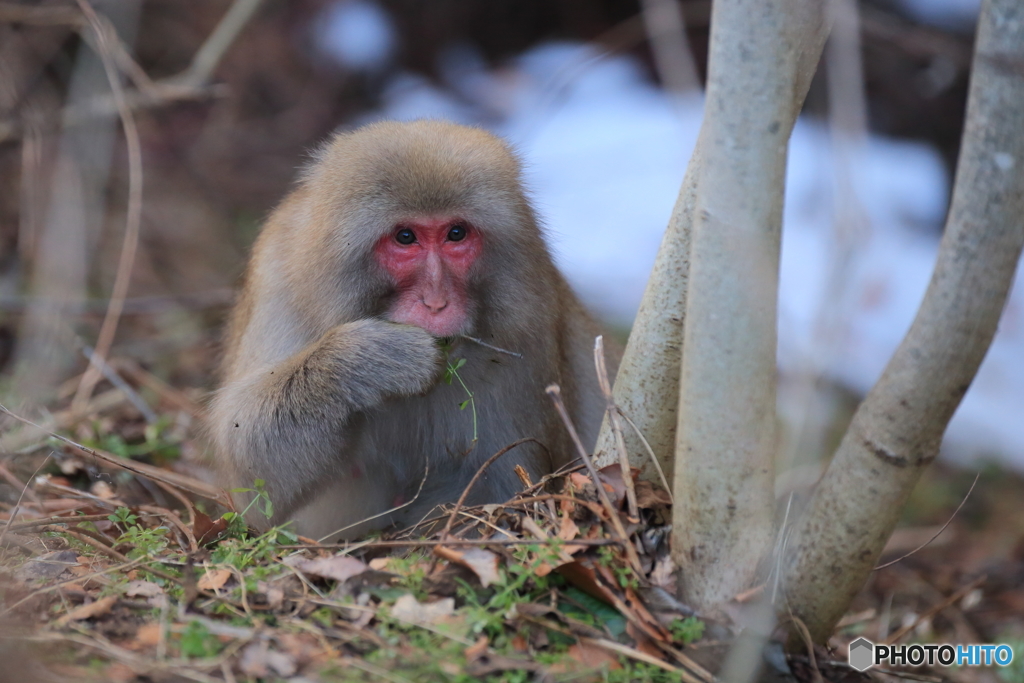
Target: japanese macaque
[(401, 242)]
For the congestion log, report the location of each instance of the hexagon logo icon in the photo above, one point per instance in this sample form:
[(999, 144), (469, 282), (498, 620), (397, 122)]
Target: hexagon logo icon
[(862, 654)]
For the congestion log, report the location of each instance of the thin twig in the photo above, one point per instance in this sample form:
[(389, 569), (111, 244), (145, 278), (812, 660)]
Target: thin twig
[(106, 37), (555, 393), (210, 53), (136, 663), (89, 541), (428, 543), (24, 489), (9, 477), (613, 416), (426, 471), (935, 609), (59, 519), (27, 440), (666, 33), (479, 472), (809, 644), (492, 347), (937, 533), (115, 379), (76, 579), (166, 392), (164, 513), (650, 454), (168, 477), (639, 656), (191, 84)]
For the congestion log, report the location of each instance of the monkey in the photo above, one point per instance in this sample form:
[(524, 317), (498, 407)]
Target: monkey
[(400, 243)]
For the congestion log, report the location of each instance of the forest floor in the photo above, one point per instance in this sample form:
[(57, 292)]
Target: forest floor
[(118, 563)]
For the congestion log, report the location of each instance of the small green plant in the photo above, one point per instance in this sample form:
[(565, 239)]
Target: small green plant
[(197, 641), (451, 372), (144, 542), (623, 574), (260, 499), (243, 551), (159, 441), (123, 517), (323, 616), (686, 631)]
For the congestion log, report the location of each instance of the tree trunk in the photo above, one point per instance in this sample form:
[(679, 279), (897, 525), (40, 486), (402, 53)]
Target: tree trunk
[(762, 55), (897, 430)]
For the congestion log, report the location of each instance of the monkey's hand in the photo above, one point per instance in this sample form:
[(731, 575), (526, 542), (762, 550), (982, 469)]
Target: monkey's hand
[(372, 360), (286, 425)]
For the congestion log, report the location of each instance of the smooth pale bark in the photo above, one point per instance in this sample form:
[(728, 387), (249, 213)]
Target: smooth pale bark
[(761, 52), (897, 430), (647, 384)]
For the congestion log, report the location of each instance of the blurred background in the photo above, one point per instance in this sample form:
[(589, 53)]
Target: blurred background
[(222, 102)]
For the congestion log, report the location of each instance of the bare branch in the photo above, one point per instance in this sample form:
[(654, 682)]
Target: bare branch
[(896, 432)]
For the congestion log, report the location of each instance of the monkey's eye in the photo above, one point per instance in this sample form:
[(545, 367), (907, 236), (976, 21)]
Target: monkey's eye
[(457, 233), (405, 236)]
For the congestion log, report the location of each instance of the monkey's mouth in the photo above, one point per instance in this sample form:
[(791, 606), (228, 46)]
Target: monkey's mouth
[(448, 322)]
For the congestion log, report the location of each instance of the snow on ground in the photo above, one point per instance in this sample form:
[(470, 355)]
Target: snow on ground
[(605, 151), (357, 34), (960, 15)]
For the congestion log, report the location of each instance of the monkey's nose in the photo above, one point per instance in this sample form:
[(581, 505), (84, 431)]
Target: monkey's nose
[(436, 306)]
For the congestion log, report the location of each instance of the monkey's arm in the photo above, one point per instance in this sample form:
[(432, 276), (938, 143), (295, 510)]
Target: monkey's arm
[(286, 424)]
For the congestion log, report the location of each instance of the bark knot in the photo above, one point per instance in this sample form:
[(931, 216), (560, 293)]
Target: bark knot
[(884, 454)]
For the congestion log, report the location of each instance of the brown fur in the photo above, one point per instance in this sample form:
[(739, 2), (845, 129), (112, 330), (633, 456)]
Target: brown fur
[(342, 412)]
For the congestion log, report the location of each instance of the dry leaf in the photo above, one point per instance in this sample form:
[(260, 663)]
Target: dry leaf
[(119, 673), (143, 589), (477, 649), (48, 566), (337, 567), (275, 597), (407, 609), (258, 661), (649, 496), (663, 574), (611, 479), (208, 530), (148, 634), (592, 656), (480, 561), (102, 489), (582, 576), (88, 611), (214, 580), (567, 529), (579, 481), (643, 643), (380, 564)]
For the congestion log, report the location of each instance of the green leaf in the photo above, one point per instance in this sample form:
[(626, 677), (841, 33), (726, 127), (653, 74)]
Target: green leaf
[(592, 608), (197, 641), (462, 406), (687, 630)]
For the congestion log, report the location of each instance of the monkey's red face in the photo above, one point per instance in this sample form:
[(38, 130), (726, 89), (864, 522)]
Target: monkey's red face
[(429, 261)]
